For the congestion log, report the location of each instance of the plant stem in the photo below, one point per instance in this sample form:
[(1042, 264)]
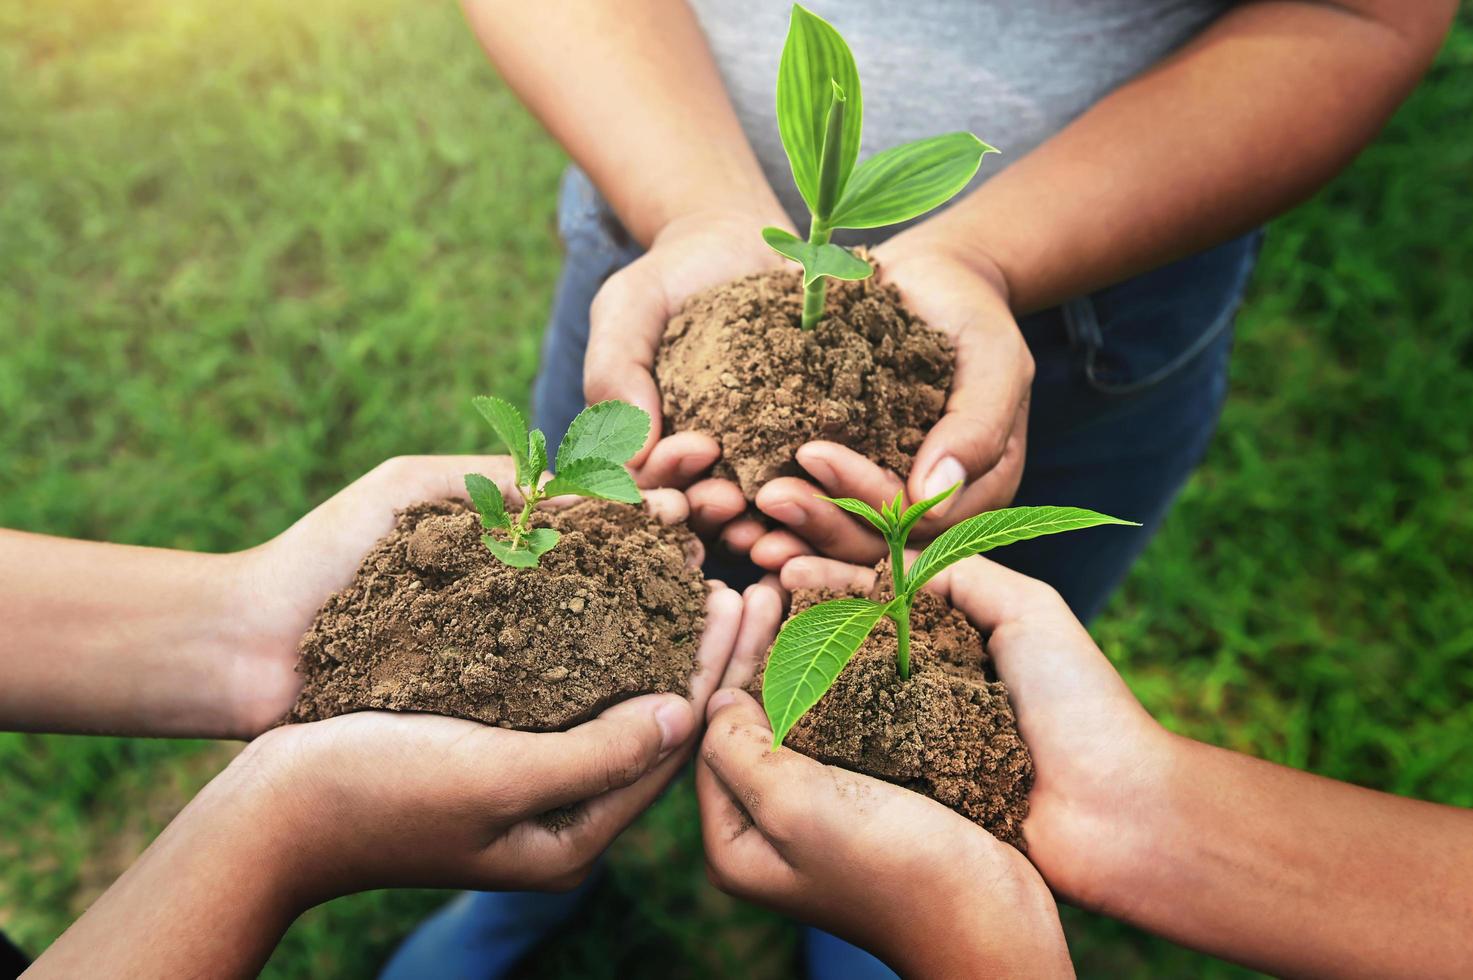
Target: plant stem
[(901, 610), (829, 158), (521, 525)]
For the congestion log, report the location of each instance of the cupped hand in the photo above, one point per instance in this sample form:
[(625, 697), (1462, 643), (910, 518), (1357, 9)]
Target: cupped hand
[(280, 585), (923, 888), (628, 319), (1099, 757), (979, 440)]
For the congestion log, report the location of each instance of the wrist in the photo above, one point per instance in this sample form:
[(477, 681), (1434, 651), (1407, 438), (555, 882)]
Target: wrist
[(932, 242)]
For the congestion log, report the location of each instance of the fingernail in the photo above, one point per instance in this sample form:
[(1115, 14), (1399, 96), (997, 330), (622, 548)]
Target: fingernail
[(947, 473), (817, 468), (691, 465), (789, 513), (720, 700), (675, 723)]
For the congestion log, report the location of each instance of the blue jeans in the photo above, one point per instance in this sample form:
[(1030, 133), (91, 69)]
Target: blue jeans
[(1128, 387)]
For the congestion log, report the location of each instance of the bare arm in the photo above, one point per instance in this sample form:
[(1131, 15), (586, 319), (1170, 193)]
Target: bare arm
[(631, 92), (1248, 119)]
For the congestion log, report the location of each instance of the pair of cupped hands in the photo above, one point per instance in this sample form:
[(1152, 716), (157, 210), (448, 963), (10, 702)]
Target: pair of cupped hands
[(378, 799)]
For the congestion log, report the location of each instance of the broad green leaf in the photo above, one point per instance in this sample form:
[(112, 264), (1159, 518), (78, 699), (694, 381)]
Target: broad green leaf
[(830, 260), (595, 478), (811, 649), (609, 430), (999, 527), (916, 511), (535, 544), (536, 454), (815, 59), (861, 509), (908, 180), (510, 428), (486, 495)]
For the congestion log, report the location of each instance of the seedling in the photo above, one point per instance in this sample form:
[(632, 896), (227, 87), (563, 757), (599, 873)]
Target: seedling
[(814, 646), (590, 463), (819, 112)]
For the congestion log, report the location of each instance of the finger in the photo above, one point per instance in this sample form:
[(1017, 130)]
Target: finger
[(994, 372), (996, 489), (724, 612), (741, 534), (626, 320), (762, 614), (776, 548), (677, 460), (714, 504), (610, 752), (828, 529), (826, 573), (774, 786), (842, 472)]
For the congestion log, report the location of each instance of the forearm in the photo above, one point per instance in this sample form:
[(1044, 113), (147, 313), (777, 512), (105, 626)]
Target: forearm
[(630, 90), (111, 639), (210, 897), (1295, 874), (1248, 119)]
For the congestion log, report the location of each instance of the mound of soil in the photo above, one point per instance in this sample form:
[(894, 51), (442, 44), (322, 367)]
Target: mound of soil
[(433, 622), (737, 364), (947, 732)]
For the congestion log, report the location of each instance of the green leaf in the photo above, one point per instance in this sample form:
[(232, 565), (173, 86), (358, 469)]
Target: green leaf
[(861, 509), (592, 477), (510, 428), (916, 511), (830, 260), (486, 495), (810, 651), (536, 454), (815, 59), (908, 180), (999, 527), (535, 544), (609, 430)]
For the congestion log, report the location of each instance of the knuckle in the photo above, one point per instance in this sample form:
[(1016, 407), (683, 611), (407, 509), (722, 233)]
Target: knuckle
[(622, 761)]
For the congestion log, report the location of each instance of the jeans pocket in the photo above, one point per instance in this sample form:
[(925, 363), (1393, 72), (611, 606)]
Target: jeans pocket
[(1136, 335)]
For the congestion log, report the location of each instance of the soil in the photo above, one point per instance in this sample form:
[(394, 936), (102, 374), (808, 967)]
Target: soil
[(948, 732), (433, 622), (736, 363)]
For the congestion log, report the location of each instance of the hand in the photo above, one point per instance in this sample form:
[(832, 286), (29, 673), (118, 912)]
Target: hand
[(979, 441), (1101, 761), (281, 584), (628, 319), (922, 887)]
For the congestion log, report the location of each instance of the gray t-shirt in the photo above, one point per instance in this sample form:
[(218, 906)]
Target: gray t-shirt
[(1011, 71)]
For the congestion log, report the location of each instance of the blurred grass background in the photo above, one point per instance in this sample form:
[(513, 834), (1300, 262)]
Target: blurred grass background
[(249, 250)]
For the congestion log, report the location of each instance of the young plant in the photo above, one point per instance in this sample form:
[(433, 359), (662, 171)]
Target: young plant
[(815, 645), (590, 463), (819, 112)]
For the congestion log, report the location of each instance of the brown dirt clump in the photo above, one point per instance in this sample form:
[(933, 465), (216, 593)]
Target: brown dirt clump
[(433, 622), (948, 732), (736, 363)]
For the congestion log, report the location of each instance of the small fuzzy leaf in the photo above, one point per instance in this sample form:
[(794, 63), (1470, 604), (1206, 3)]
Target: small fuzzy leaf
[(810, 651), (510, 428), (999, 527), (535, 544), (830, 260), (908, 180), (916, 511), (486, 495), (815, 60), (592, 477), (861, 509), (611, 430), (536, 454)]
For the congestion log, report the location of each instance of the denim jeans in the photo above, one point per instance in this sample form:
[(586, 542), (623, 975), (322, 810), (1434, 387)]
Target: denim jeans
[(1129, 382)]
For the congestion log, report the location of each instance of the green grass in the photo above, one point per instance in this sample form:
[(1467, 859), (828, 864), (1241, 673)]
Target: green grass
[(249, 250)]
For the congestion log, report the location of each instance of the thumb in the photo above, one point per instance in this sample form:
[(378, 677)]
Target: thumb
[(625, 324), (610, 752)]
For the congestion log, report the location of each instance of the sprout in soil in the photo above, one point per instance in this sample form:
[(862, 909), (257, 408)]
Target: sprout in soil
[(818, 115), (590, 463), (815, 645)]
